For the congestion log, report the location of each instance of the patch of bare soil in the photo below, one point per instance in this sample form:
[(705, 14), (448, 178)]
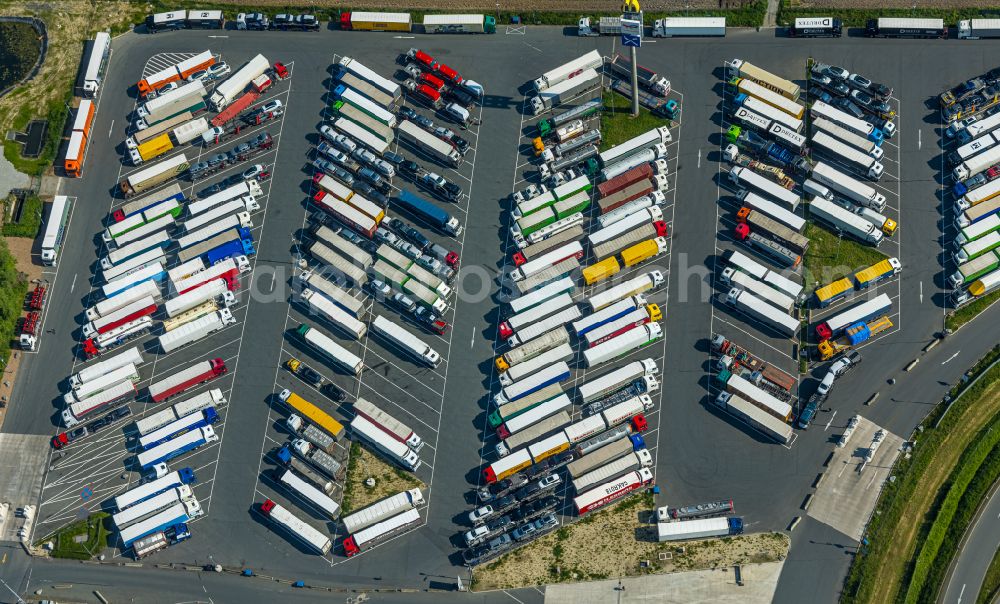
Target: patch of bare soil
[(389, 480), (620, 542)]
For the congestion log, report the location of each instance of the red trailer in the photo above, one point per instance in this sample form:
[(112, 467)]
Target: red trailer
[(644, 171), (234, 109), (36, 300), (177, 383)]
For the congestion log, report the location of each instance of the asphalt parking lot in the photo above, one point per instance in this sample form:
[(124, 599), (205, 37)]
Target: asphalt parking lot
[(700, 456)]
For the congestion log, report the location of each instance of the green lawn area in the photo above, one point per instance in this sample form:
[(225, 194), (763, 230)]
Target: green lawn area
[(617, 123), (968, 312), (31, 218), (830, 257), (66, 546)]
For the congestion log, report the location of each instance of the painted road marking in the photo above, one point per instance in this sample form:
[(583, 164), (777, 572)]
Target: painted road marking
[(951, 357)]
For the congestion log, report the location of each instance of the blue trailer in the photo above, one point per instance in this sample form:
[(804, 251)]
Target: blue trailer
[(177, 514), (236, 247), (153, 488), (205, 417), (428, 212), (176, 447), (605, 315)]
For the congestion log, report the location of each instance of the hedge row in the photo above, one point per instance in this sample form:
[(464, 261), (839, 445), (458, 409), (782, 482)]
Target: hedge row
[(975, 494), (896, 495), (751, 15), (967, 468)]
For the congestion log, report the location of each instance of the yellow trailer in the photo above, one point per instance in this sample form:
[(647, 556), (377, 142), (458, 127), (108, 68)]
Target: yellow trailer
[(601, 270), (155, 147), (313, 413), (644, 251)]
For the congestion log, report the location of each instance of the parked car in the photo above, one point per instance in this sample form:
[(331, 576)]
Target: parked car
[(409, 168), (371, 192), (431, 321), (333, 392), (480, 514), (424, 122), (869, 103), (334, 154), (858, 82), (218, 70), (404, 303), (370, 175), (262, 140), (380, 289), (838, 89), (849, 107), (393, 158), (201, 75), (383, 235), (837, 73)]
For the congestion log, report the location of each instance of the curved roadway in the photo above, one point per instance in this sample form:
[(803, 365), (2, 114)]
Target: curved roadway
[(976, 552)]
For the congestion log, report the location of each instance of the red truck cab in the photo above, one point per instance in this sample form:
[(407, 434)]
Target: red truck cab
[(450, 75)]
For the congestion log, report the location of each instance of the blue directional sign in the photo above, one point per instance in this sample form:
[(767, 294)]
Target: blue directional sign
[(629, 41), (632, 29)]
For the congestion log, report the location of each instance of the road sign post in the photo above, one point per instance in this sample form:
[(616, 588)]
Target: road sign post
[(632, 39)]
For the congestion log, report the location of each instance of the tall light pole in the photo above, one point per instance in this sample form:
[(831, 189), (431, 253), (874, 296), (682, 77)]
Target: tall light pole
[(631, 28)]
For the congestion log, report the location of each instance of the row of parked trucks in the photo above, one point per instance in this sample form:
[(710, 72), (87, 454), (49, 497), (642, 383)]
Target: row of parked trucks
[(603, 452)]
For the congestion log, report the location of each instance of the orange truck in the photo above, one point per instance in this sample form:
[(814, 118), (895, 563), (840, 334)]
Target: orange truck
[(77, 148), (175, 73)]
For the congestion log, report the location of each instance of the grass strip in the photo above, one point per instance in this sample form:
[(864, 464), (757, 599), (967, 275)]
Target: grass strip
[(858, 17), (617, 123), (830, 257), (31, 218), (948, 515), (973, 498), (751, 15), (65, 540), (893, 534), (13, 289), (970, 311)]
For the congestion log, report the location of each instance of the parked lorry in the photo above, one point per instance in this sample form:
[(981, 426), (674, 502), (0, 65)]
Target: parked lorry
[(857, 159), (80, 410), (319, 458), (131, 356), (759, 223), (847, 222), (460, 24), (382, 509), (393, 449), (234, 85), (622, 66), (299, 486), (572, 69), (689, 26), (429, 213), (330, 349), (333, 313), (173, 517), (632, 339), (614, 490), (388, 424), (176, 447), (681, 530), (428, 144), (649, 155), (178, 382), (657, 105), (851, 188), (565, 90), (332, 427), (288, 460), (159, 173), (309, 536), (630, 462), (749, 304), (549, 126), (549, 340), (357, 542), (154, 542)]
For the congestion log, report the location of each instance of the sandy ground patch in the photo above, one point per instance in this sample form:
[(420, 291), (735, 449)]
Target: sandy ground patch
[(69, 23), (620, 542), (389, 480), (20, 247)]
